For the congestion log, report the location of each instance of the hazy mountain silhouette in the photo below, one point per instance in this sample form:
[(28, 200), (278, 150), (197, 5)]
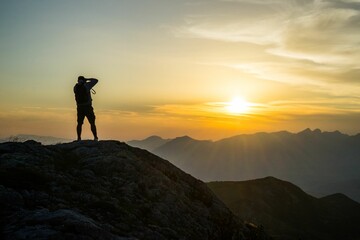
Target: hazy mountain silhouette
[(287, 212), (348, 186), (46, 140), (310, 159), (149, 143), (106, 190)]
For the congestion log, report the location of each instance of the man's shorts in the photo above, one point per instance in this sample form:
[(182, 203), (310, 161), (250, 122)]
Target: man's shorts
[(85, 111)]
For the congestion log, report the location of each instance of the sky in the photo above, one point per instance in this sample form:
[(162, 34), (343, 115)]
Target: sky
[(174, 68)]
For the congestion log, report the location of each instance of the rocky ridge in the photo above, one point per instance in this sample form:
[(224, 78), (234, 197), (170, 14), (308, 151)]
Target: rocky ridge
[(288, 213), (106, 190)]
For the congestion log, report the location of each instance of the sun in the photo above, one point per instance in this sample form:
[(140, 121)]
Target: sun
[(238, 106)]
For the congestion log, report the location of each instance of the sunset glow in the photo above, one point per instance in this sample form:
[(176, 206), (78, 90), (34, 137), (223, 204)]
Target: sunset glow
[(169, 67), (238, 106)]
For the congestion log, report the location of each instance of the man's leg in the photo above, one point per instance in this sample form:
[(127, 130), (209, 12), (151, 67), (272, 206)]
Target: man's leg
[(80, 121), (78, 130), (93, 129), (91, 118)]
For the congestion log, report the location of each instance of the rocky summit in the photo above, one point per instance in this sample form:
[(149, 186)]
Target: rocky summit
[(106, 190)]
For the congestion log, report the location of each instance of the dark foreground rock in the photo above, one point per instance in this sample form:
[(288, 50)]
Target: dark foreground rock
[(106, 190), (288, 213)]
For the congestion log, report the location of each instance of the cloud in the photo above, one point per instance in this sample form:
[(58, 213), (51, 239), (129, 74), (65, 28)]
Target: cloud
[(313, 43), (322, 34), (322, 31), (231, 21), (307, 75)]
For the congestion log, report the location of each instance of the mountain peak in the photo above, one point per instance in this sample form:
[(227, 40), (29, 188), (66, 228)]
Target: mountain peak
[(282, 133), (317, 131), (105, 190), (153, 138), (340, 197), (149, 143), (308, 131), (336, 134), (185, 137)]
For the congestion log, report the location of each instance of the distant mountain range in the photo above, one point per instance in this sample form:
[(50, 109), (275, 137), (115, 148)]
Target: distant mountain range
[(287, 212), (46, 140), (321, 163), (149, 143)]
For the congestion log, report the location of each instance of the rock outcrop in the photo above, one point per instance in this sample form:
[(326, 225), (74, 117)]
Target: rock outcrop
[(106, 190), (288, 213)]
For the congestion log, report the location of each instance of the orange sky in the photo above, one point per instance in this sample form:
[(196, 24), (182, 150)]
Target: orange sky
[(170, 68)]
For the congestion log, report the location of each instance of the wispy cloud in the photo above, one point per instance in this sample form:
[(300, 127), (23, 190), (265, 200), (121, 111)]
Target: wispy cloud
[(310, 43), (322, 34), (231, 32)]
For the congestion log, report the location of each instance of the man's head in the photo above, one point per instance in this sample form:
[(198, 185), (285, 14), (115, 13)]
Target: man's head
[(81, 79)]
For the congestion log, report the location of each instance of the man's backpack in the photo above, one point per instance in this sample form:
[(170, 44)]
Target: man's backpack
[(81, 94)]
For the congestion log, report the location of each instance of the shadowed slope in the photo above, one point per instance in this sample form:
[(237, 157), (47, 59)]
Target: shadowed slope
[(289, 213), (105, 190)]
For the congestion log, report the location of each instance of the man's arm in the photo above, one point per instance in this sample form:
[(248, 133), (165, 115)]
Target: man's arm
[(90, 83)]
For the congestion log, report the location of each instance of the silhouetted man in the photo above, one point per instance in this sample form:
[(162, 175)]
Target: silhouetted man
[(84, 104)]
